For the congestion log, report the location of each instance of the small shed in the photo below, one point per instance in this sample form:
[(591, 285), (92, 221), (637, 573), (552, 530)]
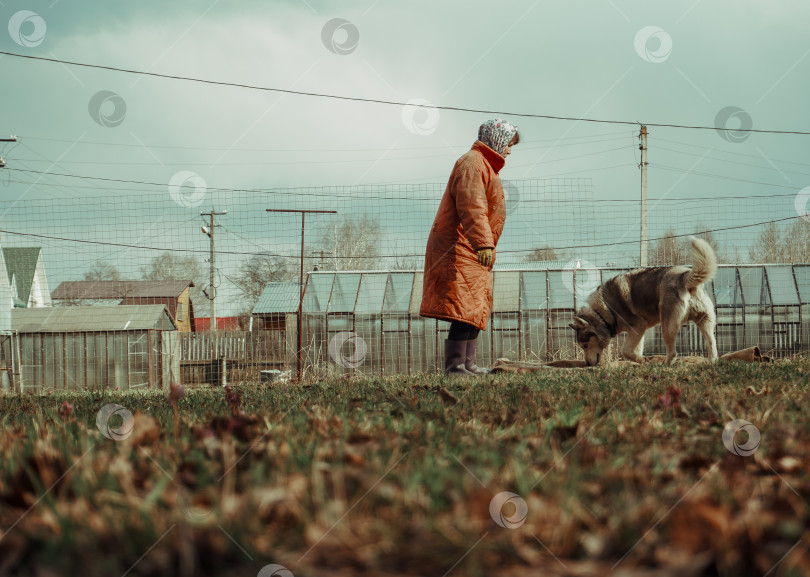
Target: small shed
[(277, 301), (101, 347)]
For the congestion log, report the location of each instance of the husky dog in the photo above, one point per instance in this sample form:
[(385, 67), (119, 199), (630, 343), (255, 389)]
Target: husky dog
[(640, 299)]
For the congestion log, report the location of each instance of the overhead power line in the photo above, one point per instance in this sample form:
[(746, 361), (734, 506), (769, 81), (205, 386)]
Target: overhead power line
[(710, 175), (304, 162), (297, 190), (264, 253), (524, 144), (391, 102), (737, 162), (584, 201), (275, 190), (721, 151)]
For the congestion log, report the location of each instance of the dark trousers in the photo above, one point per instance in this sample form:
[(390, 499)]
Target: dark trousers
[(460, 331)]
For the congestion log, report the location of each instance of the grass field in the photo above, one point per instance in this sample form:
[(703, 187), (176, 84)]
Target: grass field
[(613, 471)]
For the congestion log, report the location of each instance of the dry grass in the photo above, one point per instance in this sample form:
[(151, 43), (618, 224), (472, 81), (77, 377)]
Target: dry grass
[(622, 467)]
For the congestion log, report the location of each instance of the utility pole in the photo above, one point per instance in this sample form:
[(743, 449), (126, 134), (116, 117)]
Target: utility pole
[(321, 252), (643, 147), (301, 275), (212, 296), (11, 138)]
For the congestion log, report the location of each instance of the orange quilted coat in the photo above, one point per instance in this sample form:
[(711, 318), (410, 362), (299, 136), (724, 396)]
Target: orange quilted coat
[(471, 216)]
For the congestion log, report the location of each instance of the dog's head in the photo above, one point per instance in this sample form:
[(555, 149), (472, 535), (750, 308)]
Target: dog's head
[(592, 335)]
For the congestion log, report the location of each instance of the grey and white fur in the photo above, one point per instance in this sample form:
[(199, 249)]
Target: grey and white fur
[(635, 301)]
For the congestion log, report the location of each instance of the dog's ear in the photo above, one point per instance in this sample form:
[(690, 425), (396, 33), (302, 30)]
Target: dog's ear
[(579, 322)]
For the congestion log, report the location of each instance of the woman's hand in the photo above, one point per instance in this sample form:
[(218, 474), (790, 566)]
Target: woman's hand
[(486, 257)]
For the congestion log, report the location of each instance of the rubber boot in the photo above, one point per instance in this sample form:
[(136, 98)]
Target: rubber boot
[(470, 360), (455, 357)]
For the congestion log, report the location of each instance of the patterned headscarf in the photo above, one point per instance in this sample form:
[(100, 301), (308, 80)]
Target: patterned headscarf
[(496, 134)]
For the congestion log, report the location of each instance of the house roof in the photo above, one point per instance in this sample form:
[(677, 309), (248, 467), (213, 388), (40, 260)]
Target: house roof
[(120, 289), (278, 297), (96, 318), (21, 264)]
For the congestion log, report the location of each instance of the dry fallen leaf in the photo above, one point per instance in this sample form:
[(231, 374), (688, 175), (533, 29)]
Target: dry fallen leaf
[(145, 430), (354, 459), (699, 526)]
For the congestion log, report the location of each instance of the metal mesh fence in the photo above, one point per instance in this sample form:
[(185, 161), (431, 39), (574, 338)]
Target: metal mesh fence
[(766, 306), (119, 232)]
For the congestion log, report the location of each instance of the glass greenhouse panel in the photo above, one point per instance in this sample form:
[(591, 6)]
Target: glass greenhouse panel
[(586, 280), (802, 273), (318, 289), (754, 288), (783, 288), (416, 295), (534, 295), (340, 322), (561, 289), (506, 291), (344, 293), (726, 288), (398, 292), (371, 292)]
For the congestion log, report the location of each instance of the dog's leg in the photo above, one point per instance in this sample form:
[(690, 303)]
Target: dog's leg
[(674, 314), (669, 330), (633, 348), (707, 324)]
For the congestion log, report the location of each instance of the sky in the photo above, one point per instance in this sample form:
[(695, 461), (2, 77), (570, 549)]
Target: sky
[(169, 147)]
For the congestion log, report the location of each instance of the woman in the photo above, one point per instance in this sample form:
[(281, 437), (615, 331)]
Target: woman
[(461, 246)]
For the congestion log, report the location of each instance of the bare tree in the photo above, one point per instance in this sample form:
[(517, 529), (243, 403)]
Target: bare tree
[(408, 263), (354, 244), (668, 250), (102, 270), (774, 245), (171, 266), (768, 247), (544, 253), (798, 241), (258, 270)]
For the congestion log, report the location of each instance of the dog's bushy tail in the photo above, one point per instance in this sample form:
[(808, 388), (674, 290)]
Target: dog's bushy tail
[(704, 264)]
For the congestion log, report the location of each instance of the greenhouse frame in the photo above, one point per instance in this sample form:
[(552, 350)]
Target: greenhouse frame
[(368, 321), (124, 347)]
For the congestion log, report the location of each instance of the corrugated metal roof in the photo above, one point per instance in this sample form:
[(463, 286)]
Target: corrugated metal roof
[(21, 264), (95, 318), (278, 297), (120, 289), (539, 265), (559, 265)]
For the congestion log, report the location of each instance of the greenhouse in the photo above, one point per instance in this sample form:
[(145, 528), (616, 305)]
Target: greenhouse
[(368, 321), (123, 347)]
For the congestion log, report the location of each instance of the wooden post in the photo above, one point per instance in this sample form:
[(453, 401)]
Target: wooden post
[(149, 345), (643, 255), (301, 276)]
